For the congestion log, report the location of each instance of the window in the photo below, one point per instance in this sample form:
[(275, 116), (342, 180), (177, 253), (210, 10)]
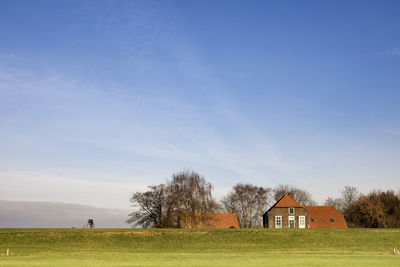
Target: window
[(291, 210), (302, 221), (332, 220), (278, 221), (312, 219)]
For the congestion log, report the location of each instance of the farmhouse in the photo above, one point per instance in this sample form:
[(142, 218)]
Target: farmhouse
[(288, 213), (212, 220)]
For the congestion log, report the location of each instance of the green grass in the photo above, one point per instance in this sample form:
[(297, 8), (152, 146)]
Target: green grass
[(183, 247)]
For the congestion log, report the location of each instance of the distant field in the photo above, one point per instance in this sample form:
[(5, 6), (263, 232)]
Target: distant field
[(183, 247)]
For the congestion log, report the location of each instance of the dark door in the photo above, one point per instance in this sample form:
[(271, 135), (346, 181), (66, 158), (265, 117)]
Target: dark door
[(291, 223)]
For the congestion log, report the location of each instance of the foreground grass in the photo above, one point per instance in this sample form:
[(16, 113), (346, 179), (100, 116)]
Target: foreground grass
[(179, 247), (203, 259)]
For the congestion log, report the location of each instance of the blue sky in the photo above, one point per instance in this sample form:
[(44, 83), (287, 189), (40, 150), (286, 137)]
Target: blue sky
[(101, 98)]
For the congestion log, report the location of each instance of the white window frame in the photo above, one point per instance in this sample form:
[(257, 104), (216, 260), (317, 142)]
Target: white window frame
[(302, 225), (293, 210), (276, 221), (291, 218)]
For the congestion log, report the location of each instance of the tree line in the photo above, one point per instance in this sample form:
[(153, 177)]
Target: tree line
[(377, 209), (185, 200)]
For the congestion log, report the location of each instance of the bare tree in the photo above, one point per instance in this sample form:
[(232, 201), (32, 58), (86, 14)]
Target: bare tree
[(349, 195), (183, 201), (334, 202), (249, 202), (150, 204), (189, 199), (300, 195)]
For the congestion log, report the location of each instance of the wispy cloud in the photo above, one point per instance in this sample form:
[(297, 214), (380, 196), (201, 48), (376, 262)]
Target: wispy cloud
[(390, 52), (85, 141), (90, 115)]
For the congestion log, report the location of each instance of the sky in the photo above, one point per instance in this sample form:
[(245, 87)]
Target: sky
[(99, 99), (37, 214)]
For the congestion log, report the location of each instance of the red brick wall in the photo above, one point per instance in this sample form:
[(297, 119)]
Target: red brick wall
[(284, 212)]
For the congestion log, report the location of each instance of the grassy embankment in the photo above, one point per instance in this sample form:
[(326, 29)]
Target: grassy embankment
[(128, 247)]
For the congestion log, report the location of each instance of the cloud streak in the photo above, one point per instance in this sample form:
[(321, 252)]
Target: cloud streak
[(390, 52)]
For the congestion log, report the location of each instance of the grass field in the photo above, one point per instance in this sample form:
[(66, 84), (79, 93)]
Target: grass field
[(183, 247)]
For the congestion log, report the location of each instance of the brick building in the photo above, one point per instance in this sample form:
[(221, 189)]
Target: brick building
[(288, 213)]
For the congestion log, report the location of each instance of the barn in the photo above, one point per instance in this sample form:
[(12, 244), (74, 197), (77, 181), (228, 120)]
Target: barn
[(325, 217), (288, 213), (218, 220)]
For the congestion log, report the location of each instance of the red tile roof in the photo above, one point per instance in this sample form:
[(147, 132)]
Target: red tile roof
[(221, 220), (216, 220), (287, 201), (325, 217)]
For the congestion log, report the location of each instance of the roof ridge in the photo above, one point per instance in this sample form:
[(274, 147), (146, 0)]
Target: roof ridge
[(319, 206), (293, 203)]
